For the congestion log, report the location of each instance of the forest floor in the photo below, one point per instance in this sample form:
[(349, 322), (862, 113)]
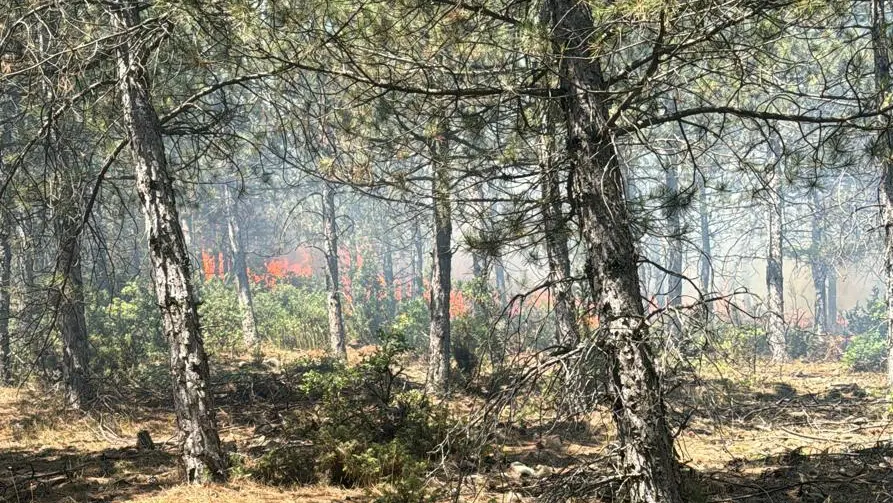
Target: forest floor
[(798, 432)]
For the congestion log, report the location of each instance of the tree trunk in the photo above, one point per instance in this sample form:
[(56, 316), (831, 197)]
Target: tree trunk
[(674, 235), (438, 375), (337, 339), (6, 252), (775, 325), (201, 453), (246, 302), (5, 312), (881, 47), (818, 267), (556, 234), (499, 279), (387, 270), (639, 411), (418, 261), (706, 259), (831, 317), (68, 299), (481, 264)]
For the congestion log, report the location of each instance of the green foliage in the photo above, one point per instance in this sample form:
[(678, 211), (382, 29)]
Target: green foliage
[(412, 321), (127, 328), (741, 342), (292, 317), (803, 344), (366, 429), (867, 351), (219, 311), (290, 465)]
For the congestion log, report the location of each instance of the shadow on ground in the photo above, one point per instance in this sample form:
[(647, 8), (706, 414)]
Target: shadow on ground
[(71, 475), (864, 475)]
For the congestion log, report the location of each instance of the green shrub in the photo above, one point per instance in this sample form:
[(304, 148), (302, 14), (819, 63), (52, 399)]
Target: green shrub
[(366, 428), (220, 317), (292, 317), (866, 352), (127, 328), (412, 321), (741, 342)]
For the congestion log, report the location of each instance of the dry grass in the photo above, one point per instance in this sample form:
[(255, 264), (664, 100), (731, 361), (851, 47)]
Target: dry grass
[(247, 492), (799, 432)]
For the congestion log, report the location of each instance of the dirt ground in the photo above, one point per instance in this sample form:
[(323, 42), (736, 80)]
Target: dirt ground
[(799, 432)]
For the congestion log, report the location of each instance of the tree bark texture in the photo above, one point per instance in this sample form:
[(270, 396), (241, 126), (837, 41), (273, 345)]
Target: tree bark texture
[(68, 299), (240, 268), (775, 324), (201, 453), (556, 235), (882, 78), (438, 375), (337, 339), (639, 411)]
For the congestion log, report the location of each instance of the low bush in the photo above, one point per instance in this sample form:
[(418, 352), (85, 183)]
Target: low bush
[(866, 352), (412, 321), (741, 342), (127, 328), (367, 427), (292, 317), (221, 321)]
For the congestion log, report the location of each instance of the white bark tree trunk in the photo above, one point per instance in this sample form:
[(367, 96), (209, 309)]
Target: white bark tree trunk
[(337, 339), (246, 300), (775, 324)]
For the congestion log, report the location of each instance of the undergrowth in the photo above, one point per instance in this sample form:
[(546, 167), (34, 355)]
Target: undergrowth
[(367, 427)]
